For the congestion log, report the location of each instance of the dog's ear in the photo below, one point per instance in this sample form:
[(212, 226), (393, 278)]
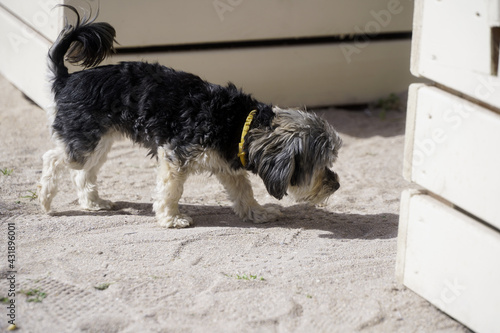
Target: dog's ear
[(276, 172), (276, 167), (304, 160)]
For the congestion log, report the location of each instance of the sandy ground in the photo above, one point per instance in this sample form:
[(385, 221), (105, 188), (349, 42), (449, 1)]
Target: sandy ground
[(323, 269)]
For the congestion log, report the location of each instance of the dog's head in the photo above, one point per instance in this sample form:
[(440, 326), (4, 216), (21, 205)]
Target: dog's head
[(295, 156)]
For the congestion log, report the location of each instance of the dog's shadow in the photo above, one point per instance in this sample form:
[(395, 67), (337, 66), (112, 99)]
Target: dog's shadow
[(119, 208), (335, 225)]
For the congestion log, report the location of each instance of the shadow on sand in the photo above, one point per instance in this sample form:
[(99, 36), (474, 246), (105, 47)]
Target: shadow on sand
[(335, 225)]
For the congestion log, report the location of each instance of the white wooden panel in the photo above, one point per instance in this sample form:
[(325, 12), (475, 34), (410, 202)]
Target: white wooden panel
[(40, 15), (455, 152), (404, 216), (464, 42), (458, 53), (312, 75), (154, 22), (411, 111), (452, 261), (281, 75), (23, 58)]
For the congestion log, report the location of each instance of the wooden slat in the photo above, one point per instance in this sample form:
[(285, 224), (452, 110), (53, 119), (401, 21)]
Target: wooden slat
[(23, 58), (152, 22), (312, 75), (454, 155), (461, 53), (39, 15), (451, 260), (288, 76), (411, 113)]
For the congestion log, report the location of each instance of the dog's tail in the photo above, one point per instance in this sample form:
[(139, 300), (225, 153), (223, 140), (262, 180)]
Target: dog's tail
[(87, 44)]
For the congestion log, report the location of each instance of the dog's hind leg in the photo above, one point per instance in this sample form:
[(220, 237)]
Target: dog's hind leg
[(245, 206), (169, 189), (53, 164), (85, 179)]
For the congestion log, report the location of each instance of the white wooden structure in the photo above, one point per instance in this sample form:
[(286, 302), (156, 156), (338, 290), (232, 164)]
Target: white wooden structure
[(449, 234), (317, 52)]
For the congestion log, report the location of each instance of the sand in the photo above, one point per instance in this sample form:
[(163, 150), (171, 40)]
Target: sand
[(316, 269)]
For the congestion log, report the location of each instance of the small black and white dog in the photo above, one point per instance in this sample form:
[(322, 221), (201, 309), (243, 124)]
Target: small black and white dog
[(189, 124)]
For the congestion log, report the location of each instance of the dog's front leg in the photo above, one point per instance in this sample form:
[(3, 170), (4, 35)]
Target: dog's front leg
[(245, 206), (169, 188)]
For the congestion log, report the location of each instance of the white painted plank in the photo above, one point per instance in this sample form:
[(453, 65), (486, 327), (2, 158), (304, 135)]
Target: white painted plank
[(287, 76), (404, 216), (493, 8), (153, 22), (40, 15), (455, 152), (23, 58), (457, 54), (416, 37), (462, 43), (311, 75), (411, 113), (452, 261)]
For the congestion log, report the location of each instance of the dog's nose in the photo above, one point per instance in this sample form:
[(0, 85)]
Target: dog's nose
[(336, 186)]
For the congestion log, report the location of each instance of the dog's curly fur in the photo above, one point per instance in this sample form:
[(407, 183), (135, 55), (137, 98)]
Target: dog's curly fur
[(189, 124)]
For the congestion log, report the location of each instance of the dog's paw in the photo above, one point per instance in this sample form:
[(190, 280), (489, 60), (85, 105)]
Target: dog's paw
[(177, 221), (259, 214), (99, 204), (44, 198), (45, 205)]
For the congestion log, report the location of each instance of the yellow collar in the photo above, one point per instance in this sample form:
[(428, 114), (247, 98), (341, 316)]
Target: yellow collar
[(246, 127)]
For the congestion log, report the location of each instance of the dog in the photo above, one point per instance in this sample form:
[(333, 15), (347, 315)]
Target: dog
[(188, 124)]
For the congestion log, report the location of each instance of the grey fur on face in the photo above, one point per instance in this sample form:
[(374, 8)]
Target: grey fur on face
[(296, 155)]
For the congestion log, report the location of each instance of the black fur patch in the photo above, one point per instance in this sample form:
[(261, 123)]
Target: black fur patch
[(153, 105)]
